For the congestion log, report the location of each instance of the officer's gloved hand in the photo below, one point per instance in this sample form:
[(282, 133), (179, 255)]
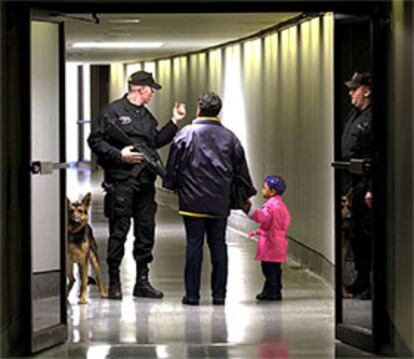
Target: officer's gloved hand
[(129, 155)]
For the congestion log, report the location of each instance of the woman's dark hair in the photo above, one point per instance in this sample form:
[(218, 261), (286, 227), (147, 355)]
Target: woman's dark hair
[(209, 104)]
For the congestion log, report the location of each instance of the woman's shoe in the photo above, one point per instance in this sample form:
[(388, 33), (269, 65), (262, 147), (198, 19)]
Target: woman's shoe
[(190, 301), (219, 301), (267, 297)]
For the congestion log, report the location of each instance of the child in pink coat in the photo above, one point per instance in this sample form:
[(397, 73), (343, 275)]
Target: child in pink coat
[(274, 219)]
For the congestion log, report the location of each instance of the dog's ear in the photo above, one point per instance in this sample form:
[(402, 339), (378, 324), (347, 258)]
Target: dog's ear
[(86, 200), (67, 202)]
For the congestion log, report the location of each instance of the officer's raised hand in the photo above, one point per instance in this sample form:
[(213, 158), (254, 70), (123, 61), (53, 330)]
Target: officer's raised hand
[(129, 155), (179, 112)]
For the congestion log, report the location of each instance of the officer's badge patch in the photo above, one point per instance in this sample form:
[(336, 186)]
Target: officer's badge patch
[(125, 120), (363, 126)]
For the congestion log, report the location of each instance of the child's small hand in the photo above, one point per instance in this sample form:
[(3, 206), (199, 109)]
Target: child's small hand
[(253, 236)]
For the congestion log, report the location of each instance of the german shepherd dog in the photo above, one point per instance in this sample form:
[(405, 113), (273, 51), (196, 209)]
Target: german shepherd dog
[(82, 247)]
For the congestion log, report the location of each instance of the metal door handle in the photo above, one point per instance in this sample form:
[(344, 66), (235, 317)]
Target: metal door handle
[(47, 167), (341, 165), (356, 166)]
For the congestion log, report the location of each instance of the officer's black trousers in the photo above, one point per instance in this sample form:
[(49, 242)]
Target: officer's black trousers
[(362, 231), (129, 199)]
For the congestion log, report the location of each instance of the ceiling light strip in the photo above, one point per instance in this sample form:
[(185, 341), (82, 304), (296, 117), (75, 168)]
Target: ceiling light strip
[(117, 45)]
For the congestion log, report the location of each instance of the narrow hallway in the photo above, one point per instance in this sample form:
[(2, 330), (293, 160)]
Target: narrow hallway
[(300, 326)]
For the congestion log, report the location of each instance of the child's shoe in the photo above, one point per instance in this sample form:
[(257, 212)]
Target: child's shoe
[(263, 296)]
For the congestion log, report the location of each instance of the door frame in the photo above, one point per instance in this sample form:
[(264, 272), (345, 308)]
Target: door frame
[(379, 10)]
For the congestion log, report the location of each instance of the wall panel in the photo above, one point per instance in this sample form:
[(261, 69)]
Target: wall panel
[(234, 107), (277, 92), (118, 85), (215, 70), (196, 83), (252, 82)]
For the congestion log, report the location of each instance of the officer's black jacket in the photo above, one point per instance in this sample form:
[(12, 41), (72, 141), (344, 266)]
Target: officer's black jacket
[(357, 142), (140, 125), (357, 139)]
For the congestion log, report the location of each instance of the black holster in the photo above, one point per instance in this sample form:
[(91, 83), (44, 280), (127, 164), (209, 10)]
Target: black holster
[(109, 200)]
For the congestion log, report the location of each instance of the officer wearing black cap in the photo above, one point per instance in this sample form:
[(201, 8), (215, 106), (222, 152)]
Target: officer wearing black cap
[(127, 195), (357, 142)]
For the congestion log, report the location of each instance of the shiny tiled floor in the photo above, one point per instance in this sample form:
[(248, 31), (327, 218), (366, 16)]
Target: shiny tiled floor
[(302, 326)]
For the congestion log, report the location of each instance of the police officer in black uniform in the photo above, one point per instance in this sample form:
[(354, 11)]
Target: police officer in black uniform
[(130, 194), (357, 142)]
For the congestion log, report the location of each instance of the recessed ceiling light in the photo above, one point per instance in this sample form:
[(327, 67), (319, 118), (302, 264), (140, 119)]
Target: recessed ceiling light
[(124, 21), (117, 45)]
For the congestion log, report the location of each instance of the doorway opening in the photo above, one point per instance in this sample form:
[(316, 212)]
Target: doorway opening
[(227, 69), (239, 71)]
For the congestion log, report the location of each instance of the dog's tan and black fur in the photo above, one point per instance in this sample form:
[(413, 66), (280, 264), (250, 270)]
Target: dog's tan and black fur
[(82, 247)]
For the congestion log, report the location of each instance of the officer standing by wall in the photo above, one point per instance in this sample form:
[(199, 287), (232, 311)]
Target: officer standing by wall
[(130, 193), (357, 142)]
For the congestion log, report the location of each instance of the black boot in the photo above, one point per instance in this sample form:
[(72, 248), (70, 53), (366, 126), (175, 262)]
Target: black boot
[(142, 287), (263, 296), (114, 291), (270, 292)]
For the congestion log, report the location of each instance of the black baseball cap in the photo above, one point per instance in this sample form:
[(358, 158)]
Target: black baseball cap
[(143, 78), (359, 79)]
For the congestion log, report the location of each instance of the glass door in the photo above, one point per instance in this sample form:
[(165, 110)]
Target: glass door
[(48, 229), (359, 185)]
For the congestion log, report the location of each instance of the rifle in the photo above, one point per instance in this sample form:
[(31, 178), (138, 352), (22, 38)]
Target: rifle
[(151, 157)]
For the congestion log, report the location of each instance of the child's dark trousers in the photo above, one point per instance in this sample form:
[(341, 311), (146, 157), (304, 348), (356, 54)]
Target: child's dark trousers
[(273, 283)]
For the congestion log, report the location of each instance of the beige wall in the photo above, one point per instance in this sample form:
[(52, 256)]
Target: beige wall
[(277, 92), (117, 85)]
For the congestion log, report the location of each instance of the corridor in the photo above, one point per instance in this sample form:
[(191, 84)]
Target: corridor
[(300, 326)]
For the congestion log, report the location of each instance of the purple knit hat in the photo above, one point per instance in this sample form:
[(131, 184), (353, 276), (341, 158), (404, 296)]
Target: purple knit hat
[(276, 183)]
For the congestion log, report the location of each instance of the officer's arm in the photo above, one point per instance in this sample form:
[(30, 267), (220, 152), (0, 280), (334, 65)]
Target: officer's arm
[(165, 135), (369, 142), (367, 150), (98, 143), (365, 139)]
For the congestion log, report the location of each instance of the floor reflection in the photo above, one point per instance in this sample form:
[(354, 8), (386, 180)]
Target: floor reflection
[(300, 326), (274, 344)]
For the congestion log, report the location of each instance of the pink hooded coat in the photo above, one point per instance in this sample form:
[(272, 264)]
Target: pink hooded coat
[(274, 219)]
